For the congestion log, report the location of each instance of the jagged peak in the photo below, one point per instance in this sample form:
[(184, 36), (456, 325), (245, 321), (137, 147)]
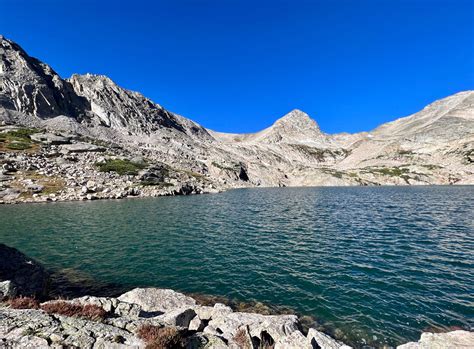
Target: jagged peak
[(297, 119)]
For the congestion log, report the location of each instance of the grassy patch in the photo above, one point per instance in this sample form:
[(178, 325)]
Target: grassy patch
[(122, 167), (23, 303), (18, 145), (320, 153), (51, 185), (17, 140), (390, 171)]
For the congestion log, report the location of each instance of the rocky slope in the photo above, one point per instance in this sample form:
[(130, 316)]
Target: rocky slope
[(433, 146)]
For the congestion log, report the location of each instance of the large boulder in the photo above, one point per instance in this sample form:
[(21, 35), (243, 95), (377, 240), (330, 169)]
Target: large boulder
[(28, 277), (262, 328), (157, 300), (50, 138), (35, 329), (323, 341), (451, 340)]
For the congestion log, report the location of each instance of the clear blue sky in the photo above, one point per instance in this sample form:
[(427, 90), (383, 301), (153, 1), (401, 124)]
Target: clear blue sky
[(237, 66)]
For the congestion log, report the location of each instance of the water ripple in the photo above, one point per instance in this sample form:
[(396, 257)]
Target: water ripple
[(378, 264)]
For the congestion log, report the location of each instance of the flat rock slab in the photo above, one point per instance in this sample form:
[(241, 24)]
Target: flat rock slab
[(450, 340), (156, 300), (50, 138), (81, 147)]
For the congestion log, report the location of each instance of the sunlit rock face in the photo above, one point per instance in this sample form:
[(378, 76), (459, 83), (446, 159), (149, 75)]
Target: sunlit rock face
[(433, 146)]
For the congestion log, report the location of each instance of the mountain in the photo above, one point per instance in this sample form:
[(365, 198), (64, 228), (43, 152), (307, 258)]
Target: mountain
[(433, 146)]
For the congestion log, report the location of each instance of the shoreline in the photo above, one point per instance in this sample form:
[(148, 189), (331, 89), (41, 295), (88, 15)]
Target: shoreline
[(49, 200), (211, 318)]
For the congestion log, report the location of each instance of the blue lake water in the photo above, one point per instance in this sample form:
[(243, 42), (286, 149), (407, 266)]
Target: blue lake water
[(378, 264)]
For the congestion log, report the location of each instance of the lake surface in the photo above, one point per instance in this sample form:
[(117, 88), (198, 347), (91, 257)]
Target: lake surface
[(378, 264)]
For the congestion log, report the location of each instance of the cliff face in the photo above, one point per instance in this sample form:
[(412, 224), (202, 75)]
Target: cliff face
[(433, 146)]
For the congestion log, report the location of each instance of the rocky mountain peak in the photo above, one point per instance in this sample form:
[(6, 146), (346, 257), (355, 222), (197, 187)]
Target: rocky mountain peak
[(30, 86), (297, 118)]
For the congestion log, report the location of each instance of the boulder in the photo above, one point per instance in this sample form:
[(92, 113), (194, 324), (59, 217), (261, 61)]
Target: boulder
[(320, 340), (177, 317), (50, 138), (27, 275), (80, 147), (196, 324), (110, 305), (269, 328), (7, 290), (157, 300), (450, 340), (296, 340), (35, 329), (206, 312)]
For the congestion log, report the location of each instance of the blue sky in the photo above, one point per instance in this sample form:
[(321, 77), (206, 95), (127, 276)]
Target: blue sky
[(237, 66)]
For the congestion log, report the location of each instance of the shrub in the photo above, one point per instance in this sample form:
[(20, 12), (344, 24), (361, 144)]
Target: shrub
[(24, 133), (241, 338), (122, 167), (23, 303), (88, 311), (160, 337), (18, 146)]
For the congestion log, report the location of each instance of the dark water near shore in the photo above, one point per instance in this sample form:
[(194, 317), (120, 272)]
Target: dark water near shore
[(377, 264)]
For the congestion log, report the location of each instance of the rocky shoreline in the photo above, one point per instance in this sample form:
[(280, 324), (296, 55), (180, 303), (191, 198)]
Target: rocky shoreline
[(149, 318), (65, 167)]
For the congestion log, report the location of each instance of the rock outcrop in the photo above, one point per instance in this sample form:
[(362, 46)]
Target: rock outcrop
[(450, 340), (209, 327), (21, 275), (216, 327)]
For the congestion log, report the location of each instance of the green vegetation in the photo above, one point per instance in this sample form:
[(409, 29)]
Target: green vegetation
[(321, 154), (17, 139), (18, 145), (390, 171), (122, 167)]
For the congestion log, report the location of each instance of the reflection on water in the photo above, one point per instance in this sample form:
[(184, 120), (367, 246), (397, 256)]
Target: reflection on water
[(376, 264)]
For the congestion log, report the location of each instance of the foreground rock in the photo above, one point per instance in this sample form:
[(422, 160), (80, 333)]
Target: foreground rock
[(199, 326), (211, 327), (21, 275), (450, 340)]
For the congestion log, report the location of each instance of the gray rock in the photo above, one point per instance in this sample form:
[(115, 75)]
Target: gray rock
[(275, 327), (7, 290), (196, 324), (28, 276), (35, 328), (50, 138), (323, 341), (180, 317), (35, 188), (81, 147), (296, 340), (9, 194), (156, 300), (450, 340)]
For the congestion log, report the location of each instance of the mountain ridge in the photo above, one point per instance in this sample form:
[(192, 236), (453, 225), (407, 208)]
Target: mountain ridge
[(432, 146)]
